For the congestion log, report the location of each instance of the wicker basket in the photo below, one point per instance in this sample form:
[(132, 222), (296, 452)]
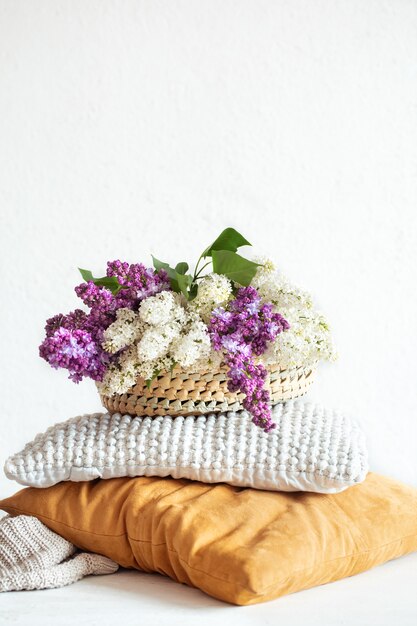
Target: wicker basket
[(187, 393)]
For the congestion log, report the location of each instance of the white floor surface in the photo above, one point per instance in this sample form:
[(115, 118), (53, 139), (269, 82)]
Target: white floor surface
[(384, 596)]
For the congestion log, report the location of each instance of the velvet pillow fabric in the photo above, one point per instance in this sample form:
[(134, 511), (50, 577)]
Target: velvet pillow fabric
[(242, 546)]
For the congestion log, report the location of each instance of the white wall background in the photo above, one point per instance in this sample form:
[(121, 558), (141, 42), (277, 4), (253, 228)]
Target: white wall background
[(135, 127)]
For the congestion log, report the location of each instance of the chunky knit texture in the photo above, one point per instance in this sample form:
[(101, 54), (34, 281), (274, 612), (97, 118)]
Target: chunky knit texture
[(34, 557), (311, 449)]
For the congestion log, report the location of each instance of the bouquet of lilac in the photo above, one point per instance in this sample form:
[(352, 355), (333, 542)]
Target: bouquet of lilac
[(143, 321)]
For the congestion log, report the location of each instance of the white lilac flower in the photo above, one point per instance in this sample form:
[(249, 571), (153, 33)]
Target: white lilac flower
[(116, 380), (273, 287), (308, 339), (169, 335), (214, 290), (156, 340), (265, 270), (160, 309), (149, 369), (123, 332), (193, 347)]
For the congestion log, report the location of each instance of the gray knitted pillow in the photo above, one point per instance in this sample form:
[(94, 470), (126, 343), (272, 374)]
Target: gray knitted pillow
[(311, 449)]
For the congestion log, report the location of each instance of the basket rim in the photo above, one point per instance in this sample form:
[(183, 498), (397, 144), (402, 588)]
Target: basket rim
[(223, 367), (186, 373)]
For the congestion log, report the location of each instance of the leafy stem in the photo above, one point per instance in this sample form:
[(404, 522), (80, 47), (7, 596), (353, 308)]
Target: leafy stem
[(222, 253), (198, 275), (224, 259), (196, 267)]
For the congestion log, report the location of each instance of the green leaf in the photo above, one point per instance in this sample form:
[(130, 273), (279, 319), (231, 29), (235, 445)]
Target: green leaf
[(180, 281), (182, 267), (172, 274), (229, 239), (148, 381), (234, 266), (184, 282), (159, 265), (193, 291), (86, 274), (109, 282)]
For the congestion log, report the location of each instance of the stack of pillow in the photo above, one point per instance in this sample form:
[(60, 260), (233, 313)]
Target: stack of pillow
[(216, 503)]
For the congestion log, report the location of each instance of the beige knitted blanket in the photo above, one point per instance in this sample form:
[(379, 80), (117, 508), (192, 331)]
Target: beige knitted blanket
[(34, 557)]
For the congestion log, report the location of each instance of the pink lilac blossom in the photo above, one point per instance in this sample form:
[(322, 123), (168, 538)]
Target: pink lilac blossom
[(242, 331), (74, 341)]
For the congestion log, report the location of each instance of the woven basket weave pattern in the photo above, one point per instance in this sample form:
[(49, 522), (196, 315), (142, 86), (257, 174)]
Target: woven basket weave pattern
[(186, 393)]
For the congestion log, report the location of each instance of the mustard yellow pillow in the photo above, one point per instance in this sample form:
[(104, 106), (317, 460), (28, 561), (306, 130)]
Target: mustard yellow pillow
[(240, 545)]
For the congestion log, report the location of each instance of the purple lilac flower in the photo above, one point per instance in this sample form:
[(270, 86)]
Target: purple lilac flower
[(75, 351), (94, 296), (140, 282), (72, 321), (74, 341), (230, 344), (243, 331)]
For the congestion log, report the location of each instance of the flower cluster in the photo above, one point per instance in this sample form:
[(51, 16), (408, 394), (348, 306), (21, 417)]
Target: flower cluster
[(74, 341), (243, 331), (137, 281), (308, 339), (214, 290), (157, 337), (75, 351)]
